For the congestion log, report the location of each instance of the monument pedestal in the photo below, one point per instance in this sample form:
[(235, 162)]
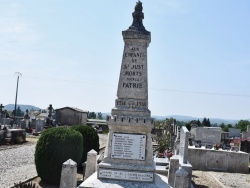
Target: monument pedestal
[(128, 154), (94, 182)]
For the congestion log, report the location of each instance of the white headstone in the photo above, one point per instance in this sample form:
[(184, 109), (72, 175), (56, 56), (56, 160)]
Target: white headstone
[(91, 163), (68, 174), (173, 167), (181, 179), (39, 125), (183, 148)]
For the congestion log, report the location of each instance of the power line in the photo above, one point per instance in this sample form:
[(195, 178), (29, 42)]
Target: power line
[(202, 92), (156, 89)]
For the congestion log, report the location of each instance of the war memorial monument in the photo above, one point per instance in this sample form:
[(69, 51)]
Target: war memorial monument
[(128, 159)]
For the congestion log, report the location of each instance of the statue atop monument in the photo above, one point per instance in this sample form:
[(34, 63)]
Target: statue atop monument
[(138, 6), (138, 16)]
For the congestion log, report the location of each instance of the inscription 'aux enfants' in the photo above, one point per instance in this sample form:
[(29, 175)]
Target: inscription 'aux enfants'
[(131, 70)]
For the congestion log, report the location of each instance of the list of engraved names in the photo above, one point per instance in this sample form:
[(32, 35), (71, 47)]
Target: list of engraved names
[(128, 146)]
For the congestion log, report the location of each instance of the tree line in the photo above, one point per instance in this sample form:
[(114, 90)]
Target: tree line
[(242, 124)]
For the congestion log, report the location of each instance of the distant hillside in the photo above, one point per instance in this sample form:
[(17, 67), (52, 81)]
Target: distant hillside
[(24, 107), (189, 118)]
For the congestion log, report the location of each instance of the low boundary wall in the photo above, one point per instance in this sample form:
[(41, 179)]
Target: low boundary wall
[(219, 160)]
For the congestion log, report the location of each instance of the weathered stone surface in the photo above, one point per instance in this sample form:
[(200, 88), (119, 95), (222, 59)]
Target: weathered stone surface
[(221, 160), (234, 132), (131, 115), (183, 150), (39, 125), (181, 179), (207, 135), (91, 163), (68, 174), (94, 182), (15, 135), (173, 167)]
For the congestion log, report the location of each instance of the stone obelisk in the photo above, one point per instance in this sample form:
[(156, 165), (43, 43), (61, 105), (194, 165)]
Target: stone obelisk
[(129, 154)]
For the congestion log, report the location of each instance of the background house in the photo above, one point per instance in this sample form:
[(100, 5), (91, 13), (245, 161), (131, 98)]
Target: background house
[(70, 116)]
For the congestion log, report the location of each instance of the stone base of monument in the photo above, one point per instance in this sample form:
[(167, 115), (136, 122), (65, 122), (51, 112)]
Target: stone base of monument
[(93, 182)]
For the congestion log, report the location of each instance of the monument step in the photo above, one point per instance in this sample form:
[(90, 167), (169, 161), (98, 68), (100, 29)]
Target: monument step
[(92, 182), (161, 161)]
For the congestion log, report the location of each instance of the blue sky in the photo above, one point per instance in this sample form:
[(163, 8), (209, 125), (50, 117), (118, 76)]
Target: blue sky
[(70, 52)]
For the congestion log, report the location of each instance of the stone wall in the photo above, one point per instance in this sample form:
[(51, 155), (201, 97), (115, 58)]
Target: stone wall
[(227, 161), (234, 132), (68, 116), (207, 135)]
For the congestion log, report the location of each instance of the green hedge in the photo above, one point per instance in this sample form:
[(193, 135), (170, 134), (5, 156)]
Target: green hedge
[(54, 147), (90, 139)]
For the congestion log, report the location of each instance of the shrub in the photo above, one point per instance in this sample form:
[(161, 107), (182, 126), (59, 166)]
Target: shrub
[(54, 147), (25, 185), (90, 139)]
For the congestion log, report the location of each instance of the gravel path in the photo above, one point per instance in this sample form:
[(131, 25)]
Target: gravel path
[(205, 179), (232, 179), (17, 164)]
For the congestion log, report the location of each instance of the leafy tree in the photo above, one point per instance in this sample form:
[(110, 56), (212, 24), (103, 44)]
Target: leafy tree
[(19, 112), (164, 138), (90, 140), (198, 123), (99, 115), (91, 115), (204, 121), (222, 125), (242, 125), (225, 128), (208, 124), (188, 125)]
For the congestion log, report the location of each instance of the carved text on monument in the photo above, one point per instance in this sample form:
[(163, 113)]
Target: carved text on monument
[(137, 103), (125, 175), (128, 146)]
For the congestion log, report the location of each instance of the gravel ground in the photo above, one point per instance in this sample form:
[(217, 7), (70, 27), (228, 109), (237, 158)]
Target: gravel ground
[(205, 179), (17, 164)]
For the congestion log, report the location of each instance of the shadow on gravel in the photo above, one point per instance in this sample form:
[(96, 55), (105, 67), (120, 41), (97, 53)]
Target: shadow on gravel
[(198, 186)]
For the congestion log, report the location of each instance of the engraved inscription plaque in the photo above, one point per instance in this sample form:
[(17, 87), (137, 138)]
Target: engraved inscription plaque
[(126, 175), (128, 146)]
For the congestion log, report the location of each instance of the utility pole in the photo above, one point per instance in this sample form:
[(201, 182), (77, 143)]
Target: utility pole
[(18, 74)]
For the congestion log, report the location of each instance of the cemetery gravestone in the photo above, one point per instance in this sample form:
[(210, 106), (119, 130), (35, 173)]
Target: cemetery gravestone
[(39, 125), (68, 174), (23, 124), (183, 150)]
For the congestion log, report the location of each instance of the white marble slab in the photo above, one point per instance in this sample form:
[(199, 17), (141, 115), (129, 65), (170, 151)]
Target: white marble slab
[(128, 146), (126, 175)]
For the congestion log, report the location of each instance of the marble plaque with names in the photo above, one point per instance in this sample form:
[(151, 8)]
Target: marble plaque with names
[(126, 175), (128, 146)]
